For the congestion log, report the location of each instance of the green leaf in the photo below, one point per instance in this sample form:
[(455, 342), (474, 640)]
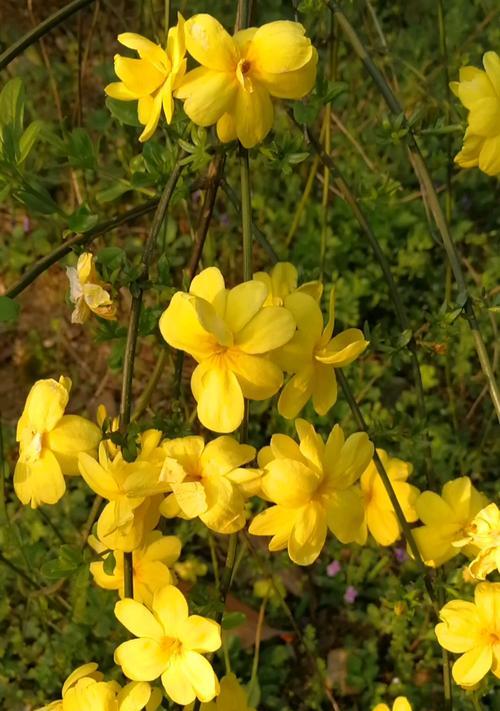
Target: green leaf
[(29, 138), (9, 310), (37, 199), (111, 257), (82, 220), (232, 620), (109, 563), (113, 192), (124, 111), (12, 105), (81, 152)]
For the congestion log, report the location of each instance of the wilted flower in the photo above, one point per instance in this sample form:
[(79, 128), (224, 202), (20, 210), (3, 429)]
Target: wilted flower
[(313, 487), (207, 480), (479, 92), (484, 534), (312, 356), (151, 79), (283, 281), (446, 518), (472, 629), (240, 74), (170, 644), (230, 334), (49, 443), (151, 564), (87, 291), (380, 518)]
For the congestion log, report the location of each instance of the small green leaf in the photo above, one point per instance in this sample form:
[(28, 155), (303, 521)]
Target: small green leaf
[(109, 563), (82, 220), (29, 138), (12, 104), (113, 192), (81, 152), (232, 620), (111, 257), (124, 111), (9, 310)]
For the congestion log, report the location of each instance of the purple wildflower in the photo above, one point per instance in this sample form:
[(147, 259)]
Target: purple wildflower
[(350, 594), (333, 568)]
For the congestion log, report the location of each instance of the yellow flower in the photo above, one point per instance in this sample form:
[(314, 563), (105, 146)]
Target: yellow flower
[(446, 518), (84, 689), (49, 443), (208, 481), (126, 485), (238, 76), (87, 291), (232, 697), (151, 563), (472, 629), (170, 644), (380, 518), (282, 281), (479, 92), (313, 487), (190, 569), (152, 79), (312, 356), (484, 534), (400, 704), (230, 334)]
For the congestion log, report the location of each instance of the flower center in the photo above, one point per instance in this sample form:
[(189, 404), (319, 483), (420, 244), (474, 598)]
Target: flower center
[(242, 74), (170, 646)]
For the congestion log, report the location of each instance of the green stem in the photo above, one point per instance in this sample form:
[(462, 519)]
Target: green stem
[(145, 398), (167, 18), (79, 240), (128, 574), (429, 190), (258, 235), (246, 214), (405, 526), (40, 30)]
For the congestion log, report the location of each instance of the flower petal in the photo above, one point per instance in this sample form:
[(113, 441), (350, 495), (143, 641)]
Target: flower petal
[(324, 392), (258, 376), (291, 85), (141, 659), (73, 435), (133, 696), (489, 156), (279, 47), (345, 514), (209, 285), (484, 117), (491, 63), (296, 393), (181, 328), (220, 402), (243, 303), (271, 328), (308, 535), (139, 75), (98, 479), (39, 482), (200, 634), (253, 115), (208, 95), (343, 349), (45, 404), (276, 521), (171, 609), (458, 630), (223, 454), (470, 668), (138, 619), (209, 43), (289, 483)]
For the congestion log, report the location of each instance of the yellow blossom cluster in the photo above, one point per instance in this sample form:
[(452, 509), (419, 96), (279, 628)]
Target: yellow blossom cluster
[(232, 87)]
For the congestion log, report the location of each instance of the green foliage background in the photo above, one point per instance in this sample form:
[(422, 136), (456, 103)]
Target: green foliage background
[(69, 160)]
